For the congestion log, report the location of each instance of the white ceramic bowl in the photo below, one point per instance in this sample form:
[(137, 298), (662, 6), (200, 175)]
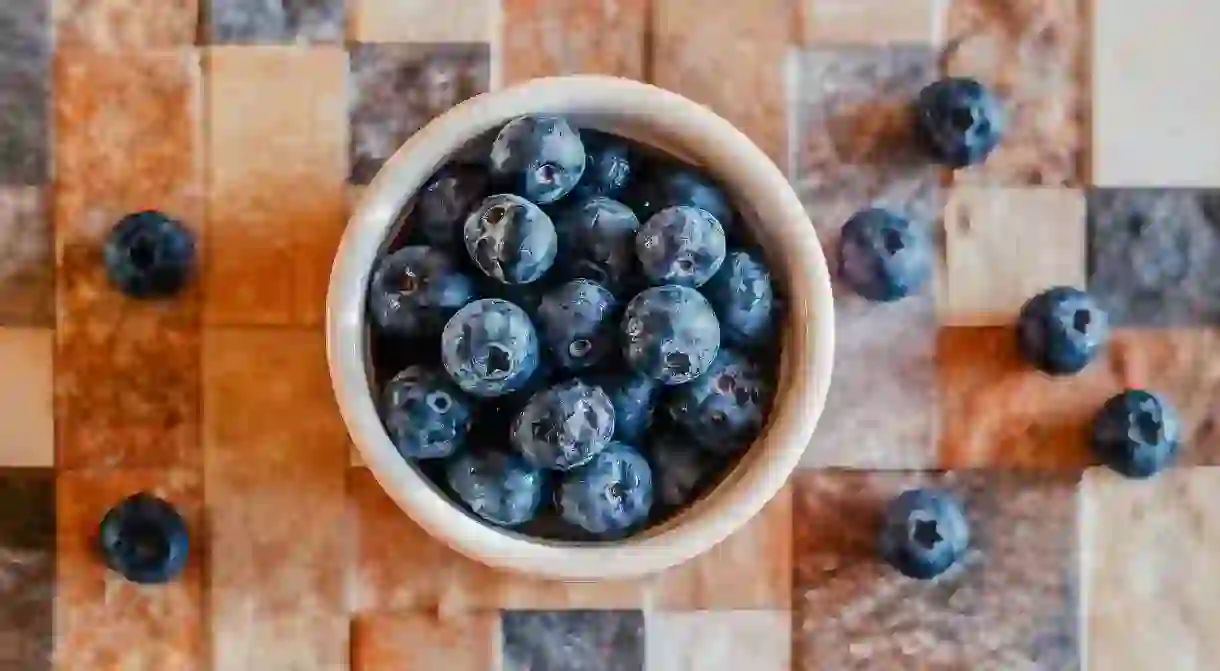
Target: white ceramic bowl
[(768, 204)]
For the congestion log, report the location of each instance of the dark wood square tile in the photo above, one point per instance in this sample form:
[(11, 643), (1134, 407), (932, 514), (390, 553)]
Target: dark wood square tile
[(25, 41), (273, 21), (398, 88), (1153, 255), (577, 640), (1011, 603), (27, 568)]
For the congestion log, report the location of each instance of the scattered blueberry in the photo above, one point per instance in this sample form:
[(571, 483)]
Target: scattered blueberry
[(959, 121), (610, 494), (490, 348), (500, 488), (924, 532), (667, 185), (1136, 433), (443, 204), (538, 157), (149, 255), (680, 245), (607, 165), (634, 398), (426, 415), (680, 468), (144, 539), (415, 290), (576, 321), (1061, 330), (883, 256), (510, 239), (597, 242), (670, 334), (741, 294), (723, 410), (564, 426)]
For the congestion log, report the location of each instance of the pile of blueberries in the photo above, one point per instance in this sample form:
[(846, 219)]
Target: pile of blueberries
[(884, 257), (574, 334)]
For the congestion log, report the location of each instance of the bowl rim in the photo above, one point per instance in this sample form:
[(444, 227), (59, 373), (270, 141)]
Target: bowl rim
[(805, 365)]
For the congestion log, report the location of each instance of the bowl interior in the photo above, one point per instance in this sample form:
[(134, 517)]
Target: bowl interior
[(767, 205)]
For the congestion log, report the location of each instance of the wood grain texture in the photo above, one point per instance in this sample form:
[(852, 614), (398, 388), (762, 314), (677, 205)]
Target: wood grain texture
[(543, 38), (125, 24), (424, 21), (275, 453), (27, 396), (27, 260), (872, 22), (1139, 139), (719, 640), (1010, 603), (277, 205), (736, 64), (127, 371), (101, 620), (1148, 551), (1033, 54), (1005, 245), (425, 642)]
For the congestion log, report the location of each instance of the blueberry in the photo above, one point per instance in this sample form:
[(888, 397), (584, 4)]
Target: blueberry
[(923, 533), (724, 409), (576, 321), (500, 488), (680, 245), (144, 539), (149, 255), (538, 157), (609, 494), (607, 165), (1061, 330), (667, 185), (490, 348), (597, 242), (680, 468), (426, 415), (564, 426), (670, 334), (510, 239), (1136, 433), (443, 204), (883, 256), (959, 121), (634, 398), (415, 290), (741, 294)]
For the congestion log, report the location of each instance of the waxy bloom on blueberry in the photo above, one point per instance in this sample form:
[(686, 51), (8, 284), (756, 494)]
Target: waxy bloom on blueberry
[(577, 322), (500, 488), (538, 157), (415, 290), (564, 426), (426, 415), (680, 245), (490, 348), (670, 334), (610, 494), (510, 239), (723, 409)]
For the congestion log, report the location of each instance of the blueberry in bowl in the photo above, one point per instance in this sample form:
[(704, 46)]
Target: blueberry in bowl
[(618, 390)]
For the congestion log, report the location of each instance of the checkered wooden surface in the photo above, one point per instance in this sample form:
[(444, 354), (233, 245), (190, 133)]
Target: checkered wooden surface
[(256, 122)]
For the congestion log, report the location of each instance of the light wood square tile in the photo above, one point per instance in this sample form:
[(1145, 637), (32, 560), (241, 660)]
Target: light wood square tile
[(719, 641), (1152, 598), (424, 21), (26, 395), (1155, 97), (1004, 245), (872, 22)]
